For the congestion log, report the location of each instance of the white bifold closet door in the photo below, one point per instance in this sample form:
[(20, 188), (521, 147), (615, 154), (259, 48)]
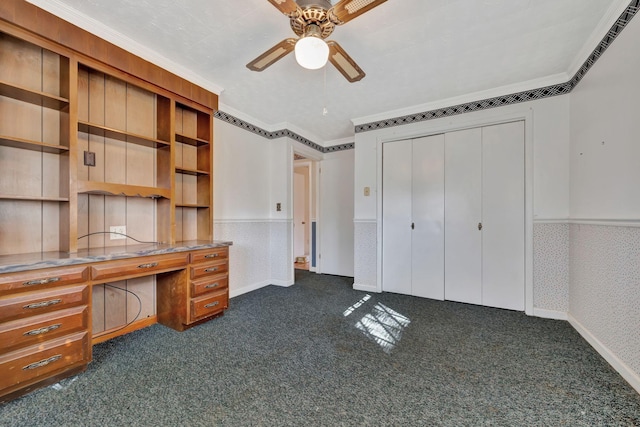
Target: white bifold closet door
[(413, 217), (463, 192)]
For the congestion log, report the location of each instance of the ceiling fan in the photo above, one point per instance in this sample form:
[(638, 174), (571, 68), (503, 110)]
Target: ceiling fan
[(313, 21)]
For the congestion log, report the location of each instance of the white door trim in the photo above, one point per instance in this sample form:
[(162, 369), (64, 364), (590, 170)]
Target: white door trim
[(460, 122)]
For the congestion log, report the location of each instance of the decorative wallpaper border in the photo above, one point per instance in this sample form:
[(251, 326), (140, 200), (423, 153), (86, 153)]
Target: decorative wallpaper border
[(499, 101), (279, 133), (530, 95)]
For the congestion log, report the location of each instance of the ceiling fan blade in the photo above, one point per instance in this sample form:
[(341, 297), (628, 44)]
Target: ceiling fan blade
[(343, 62), (272, 55), (346, 10), (288, 7)]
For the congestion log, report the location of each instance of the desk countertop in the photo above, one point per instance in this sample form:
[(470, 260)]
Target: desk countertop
[(38, 260)]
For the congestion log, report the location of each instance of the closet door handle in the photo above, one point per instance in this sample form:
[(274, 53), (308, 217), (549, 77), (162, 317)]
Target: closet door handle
[(413, 226), (479, 226)]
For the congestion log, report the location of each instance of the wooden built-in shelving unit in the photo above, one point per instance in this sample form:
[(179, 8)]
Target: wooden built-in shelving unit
[(151, 151)]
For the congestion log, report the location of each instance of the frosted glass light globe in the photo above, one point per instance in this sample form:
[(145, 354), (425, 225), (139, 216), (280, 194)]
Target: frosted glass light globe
[(311, 52)]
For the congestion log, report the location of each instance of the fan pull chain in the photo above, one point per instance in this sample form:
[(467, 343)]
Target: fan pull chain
[(324, 93)]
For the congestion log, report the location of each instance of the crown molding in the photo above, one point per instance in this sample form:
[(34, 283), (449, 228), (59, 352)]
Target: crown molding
[(99, 29), (601, 31)]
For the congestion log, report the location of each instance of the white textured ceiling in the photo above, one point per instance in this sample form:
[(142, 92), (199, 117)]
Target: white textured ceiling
[(414, 52)]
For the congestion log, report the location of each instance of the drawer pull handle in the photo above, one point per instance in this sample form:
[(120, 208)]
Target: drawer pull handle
[(212, 304), (212, 285), (43, 304), (211, 256), (41, 281), (44, 330), (43, 362), (211, 270), (150, 265)]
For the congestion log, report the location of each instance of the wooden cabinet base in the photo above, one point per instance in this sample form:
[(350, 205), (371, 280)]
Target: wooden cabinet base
[(22, 389)]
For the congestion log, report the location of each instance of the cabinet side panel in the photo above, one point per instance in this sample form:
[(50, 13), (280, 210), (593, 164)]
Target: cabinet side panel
[(115, 305), (115, 214), (144, 305), (21, 62), (140, 112), (21, 227), (97, 309), (83, 221), (140, 220)]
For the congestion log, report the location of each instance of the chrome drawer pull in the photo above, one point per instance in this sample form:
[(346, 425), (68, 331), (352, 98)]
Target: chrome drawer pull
[(43, 304), (211, 270), (213, 304), (41, 281), (211, 256), (150, 265), (212, 285), (43, 362), (43, 330)]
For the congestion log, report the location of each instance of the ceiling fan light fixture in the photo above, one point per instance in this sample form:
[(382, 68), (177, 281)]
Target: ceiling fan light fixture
[(311, 52)]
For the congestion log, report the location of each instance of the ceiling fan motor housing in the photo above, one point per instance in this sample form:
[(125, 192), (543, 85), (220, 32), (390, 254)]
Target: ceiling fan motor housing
[(314, 12)]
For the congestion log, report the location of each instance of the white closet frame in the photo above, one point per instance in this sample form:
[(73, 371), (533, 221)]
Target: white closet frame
[(455, 123)]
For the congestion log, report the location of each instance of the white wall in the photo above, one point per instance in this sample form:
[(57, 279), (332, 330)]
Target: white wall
[(336, 214), (251, 173), (604, 291)]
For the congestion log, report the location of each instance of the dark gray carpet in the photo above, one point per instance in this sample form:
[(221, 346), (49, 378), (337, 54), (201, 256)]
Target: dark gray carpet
[(290, 356)]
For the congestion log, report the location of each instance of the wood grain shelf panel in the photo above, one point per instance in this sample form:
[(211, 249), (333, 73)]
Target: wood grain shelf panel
[(27, 144), (194, 172), (192, 206), (190, 140), (110, 189), (120, 135), (33, 96), (33, 198)]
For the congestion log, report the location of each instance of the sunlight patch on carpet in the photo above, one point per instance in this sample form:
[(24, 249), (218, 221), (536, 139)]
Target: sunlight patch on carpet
[(384, 326)]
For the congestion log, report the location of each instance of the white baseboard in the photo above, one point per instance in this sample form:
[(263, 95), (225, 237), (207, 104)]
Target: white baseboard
[(550, 314), (283, 283), (248, 288), (625, 371), (365, 288)]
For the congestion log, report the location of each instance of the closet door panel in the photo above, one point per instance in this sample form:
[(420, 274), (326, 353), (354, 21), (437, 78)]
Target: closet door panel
[(503, 216), (396, 214), (463, 213), (428, 216)]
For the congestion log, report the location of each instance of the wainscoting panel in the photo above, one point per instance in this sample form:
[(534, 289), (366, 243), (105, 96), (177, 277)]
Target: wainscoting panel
[(551, 269), (281, 252), (604, 292), (249, 256), (366, 255)]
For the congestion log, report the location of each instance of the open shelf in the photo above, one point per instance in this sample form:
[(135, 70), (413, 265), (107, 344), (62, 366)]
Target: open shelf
[(27, 144), (188, 171), (120, 135), (33, 198), (192, 206), (190, 141), (110, 189), (33, 96)]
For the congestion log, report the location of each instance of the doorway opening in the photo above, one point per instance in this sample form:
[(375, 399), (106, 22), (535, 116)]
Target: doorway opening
[(304, 218)]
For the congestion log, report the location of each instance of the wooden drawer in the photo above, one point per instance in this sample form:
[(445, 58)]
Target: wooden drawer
[(33, 303), (210, 255), (217, 267), (208, 305), (125, 269), (210, 284), (44, 359), (37, 279), (36, 329)]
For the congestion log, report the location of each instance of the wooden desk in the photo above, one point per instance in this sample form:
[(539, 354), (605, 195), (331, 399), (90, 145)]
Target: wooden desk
[(46, 303)]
